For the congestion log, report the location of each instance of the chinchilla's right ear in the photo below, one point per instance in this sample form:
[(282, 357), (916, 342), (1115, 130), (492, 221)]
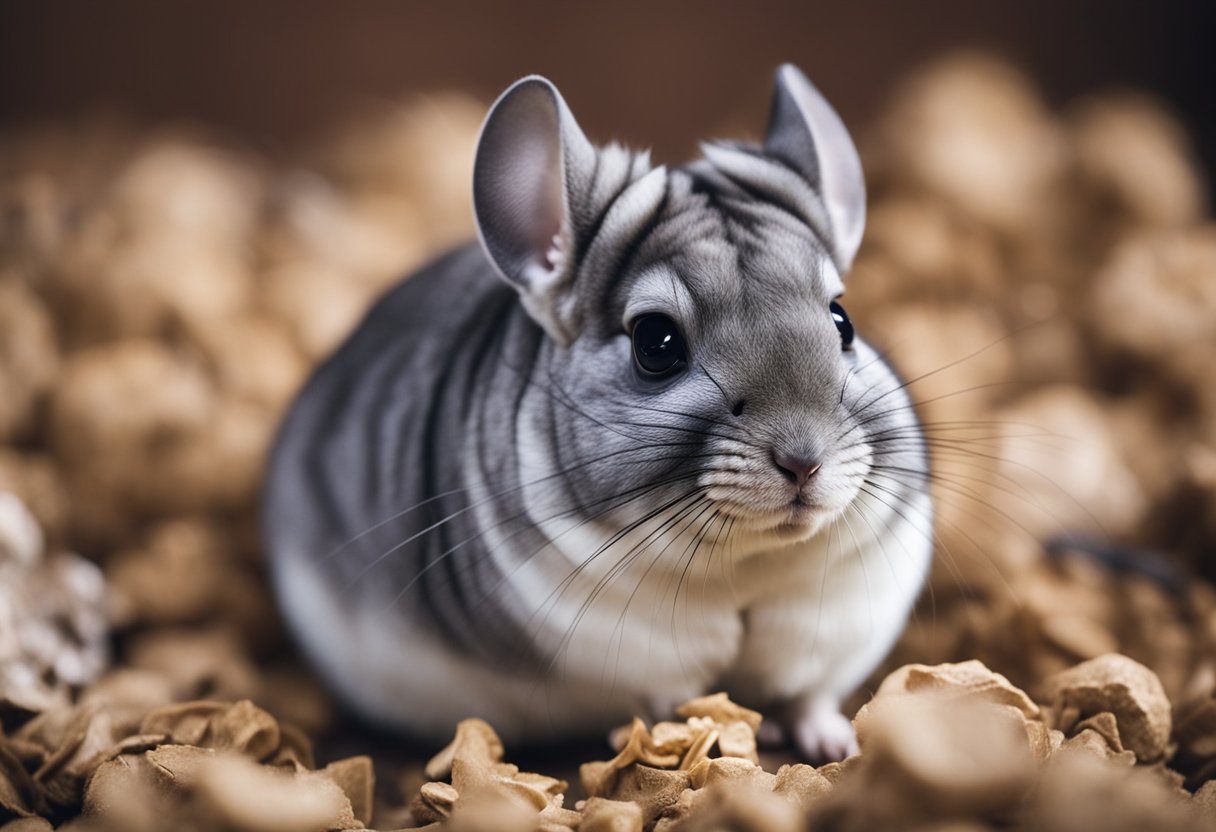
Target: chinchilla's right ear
[(533, 168), (807, 134)]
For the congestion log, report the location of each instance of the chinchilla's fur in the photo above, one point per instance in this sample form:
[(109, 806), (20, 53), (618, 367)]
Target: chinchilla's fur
[(481, 505)]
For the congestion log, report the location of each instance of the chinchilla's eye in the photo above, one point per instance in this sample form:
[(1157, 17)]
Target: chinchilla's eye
[(843, 325), (658, 347)]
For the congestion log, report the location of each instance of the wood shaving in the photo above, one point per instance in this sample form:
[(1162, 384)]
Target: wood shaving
[(1120, 698)]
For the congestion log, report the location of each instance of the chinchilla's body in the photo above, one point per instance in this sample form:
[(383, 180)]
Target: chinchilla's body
[(652, 462)]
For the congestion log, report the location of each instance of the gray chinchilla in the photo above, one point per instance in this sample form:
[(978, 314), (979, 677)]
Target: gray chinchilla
[(626, 451)]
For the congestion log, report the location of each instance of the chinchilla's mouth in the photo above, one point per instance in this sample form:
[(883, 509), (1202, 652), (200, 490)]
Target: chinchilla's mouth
[(803, 513), (799, 518)]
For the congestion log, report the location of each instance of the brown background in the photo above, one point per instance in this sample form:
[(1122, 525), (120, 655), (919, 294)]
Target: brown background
[(652, 73)]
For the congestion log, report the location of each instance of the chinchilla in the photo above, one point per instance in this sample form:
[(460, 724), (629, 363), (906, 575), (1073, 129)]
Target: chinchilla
[(627, 450)]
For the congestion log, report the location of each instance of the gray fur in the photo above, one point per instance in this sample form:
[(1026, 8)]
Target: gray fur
[(436, 475)]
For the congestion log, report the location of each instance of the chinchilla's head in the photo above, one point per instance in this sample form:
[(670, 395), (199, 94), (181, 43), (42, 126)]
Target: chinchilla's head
[(698, 361)]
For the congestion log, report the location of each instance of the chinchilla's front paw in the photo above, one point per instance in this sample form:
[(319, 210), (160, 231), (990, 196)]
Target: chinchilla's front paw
[(821, 732)]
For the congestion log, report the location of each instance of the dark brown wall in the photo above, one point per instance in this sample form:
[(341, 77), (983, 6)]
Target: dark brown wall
[(657, 73)]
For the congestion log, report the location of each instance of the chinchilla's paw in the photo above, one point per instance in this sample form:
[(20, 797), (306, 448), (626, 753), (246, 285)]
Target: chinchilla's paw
[(822, 733)]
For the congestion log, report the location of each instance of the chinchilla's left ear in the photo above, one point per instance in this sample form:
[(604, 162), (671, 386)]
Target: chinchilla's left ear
[(805, 133), (534, 167)]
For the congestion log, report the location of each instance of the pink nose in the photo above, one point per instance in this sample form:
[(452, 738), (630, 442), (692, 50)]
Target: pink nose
[(796, 468)]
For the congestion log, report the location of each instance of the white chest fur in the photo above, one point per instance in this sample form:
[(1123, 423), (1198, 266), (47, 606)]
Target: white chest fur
[(664, 616)]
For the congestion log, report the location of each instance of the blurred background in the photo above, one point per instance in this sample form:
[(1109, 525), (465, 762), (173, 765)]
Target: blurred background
[(199, 200), (662, 75)]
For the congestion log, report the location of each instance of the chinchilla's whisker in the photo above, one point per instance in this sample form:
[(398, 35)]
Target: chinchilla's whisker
[(693, 549), (616, 537), (865, 573), (633, 493), (960, 451), (976, 448), (959, 434), (565, 400), (861, 418), (704, 506), (490, 593), (885, 495), (993, 449), (931, 537), (504, 492), (714, 549), (964, 424), (558, 652), (700, 417), (685, 516), (903, 385), (721, 389), (368, 567), (844, 385), (693, 543), (693, 431), (728, 560), (833, 534), (951, 558), (613, 539), (881, 356), (865, 516), (961, 484), (957, 452), (629, 558)]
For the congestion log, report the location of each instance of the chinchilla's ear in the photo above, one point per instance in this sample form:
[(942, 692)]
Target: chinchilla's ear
[(533, 168), (805, 133)]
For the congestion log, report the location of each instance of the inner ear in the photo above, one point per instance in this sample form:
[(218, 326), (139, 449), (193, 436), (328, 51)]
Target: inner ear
[(523, 175)]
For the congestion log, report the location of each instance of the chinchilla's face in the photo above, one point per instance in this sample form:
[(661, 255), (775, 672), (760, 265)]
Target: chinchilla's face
[(723, 351), (700, 363)]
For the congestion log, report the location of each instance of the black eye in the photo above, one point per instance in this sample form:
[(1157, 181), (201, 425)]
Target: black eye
[(658, 347), (843, 325)]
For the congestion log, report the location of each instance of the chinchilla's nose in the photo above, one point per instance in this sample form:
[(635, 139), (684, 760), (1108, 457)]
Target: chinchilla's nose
[(796, 467)]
